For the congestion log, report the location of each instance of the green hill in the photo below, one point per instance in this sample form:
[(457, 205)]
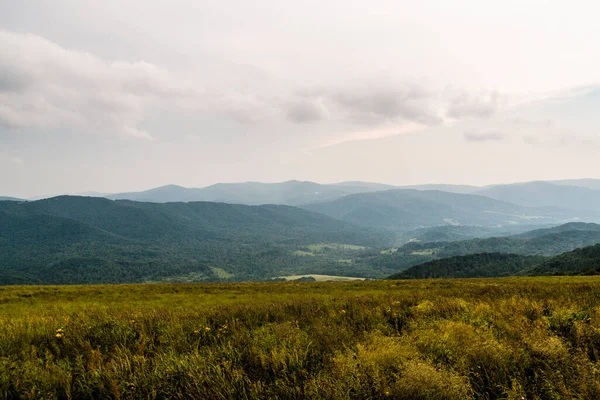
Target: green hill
[(471, 266), (555, 241), (402, 210), (584, 261), (548, 244), (71, 239), (452, 233), (572, 226)]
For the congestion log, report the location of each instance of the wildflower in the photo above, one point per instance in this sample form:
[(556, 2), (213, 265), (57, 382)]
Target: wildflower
[(387, 392), (342, 311), (131, 388), (207, 329), (196, 331), (59, 333)]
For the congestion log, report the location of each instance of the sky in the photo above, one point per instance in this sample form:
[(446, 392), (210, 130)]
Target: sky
[(125, 95)]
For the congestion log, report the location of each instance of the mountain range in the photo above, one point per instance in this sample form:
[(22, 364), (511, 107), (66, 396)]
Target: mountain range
[(566, 194), (253, 193), (257, 231), (407, 209)]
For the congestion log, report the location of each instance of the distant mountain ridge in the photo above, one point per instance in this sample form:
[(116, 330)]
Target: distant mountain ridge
[(408, 209), (253, 193), (574, 194), (545, 194), (7, 198)]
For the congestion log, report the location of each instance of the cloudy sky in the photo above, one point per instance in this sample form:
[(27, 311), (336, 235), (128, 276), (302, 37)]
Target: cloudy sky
[(122, 95)]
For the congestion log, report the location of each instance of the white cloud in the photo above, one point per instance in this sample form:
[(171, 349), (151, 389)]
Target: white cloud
[(43, 85), (307, 110)]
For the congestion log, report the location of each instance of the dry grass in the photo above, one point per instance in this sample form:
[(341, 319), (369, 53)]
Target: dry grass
[(532, 338)]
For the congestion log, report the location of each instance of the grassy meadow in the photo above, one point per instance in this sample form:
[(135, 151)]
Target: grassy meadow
[(509, 338)]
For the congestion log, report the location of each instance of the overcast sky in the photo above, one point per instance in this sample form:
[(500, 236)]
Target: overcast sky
[(123, 95)]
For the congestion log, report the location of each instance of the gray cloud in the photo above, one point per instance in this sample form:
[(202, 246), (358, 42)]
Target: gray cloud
[(483, 136), (304, 111), (411, 103), (466, 105), (375, 104)]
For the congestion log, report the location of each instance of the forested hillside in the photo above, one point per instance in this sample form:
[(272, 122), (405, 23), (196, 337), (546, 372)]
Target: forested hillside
[(584, 261), (71, 239), (542, 242), (484, 265)]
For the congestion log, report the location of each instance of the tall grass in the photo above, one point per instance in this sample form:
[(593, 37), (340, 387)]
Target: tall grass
[(514, 338)]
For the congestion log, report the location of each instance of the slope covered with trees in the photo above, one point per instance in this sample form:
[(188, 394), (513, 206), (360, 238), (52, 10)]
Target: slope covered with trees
[(584, 261), (484, 265), (72, 239), (540, 242)]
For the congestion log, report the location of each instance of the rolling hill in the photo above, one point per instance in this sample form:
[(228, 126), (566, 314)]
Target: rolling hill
[(462, 189), (581, 261), (485, 265), (584, 261), (452, 233), (545, 194), (585, 183), (556, 240), (548, 244), (253, 193), (408, 209), (6, 198), (71, 239), (569, 227)]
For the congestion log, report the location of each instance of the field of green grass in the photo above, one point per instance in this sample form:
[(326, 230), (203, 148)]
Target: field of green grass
[(510, 338)]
